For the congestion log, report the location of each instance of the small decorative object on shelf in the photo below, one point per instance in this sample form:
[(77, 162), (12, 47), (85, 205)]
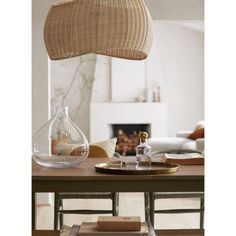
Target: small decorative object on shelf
[(157, 94), (60, 143), (143, 151), (140, 98)]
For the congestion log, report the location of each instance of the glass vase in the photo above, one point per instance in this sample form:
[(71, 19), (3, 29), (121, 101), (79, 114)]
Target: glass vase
[(60, 143)]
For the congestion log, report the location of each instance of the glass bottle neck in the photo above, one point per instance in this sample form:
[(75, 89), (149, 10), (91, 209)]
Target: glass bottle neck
[(62, 112), (142, 140)]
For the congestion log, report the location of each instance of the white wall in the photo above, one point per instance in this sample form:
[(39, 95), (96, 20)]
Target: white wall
[(128, 80), (101, 91), (176, 9), (176, 63)]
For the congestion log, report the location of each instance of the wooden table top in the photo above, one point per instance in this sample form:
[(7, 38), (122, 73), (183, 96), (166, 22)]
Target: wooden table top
[(179, 232), (188, 178), (86, 170)]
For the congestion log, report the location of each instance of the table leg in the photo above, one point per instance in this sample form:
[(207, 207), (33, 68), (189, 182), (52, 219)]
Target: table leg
[(202, 213), (151, 207), (33, 206), (146, 207)]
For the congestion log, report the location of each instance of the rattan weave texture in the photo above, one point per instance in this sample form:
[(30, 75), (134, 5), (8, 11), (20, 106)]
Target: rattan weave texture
[(117, 28)]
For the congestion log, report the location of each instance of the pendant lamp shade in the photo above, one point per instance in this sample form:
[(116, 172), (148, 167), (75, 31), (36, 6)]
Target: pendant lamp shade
[(117, 28)]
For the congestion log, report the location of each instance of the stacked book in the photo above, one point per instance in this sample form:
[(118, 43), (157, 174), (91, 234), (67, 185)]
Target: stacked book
[(183, 159), (111, 226)]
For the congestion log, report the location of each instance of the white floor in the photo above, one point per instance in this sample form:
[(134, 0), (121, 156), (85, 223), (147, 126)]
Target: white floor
[(131, 204)]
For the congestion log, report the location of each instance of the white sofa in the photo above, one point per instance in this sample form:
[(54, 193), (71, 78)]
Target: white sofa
[(179, 142)]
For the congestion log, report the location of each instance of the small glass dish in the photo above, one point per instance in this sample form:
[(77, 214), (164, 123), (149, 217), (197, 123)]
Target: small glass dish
[(132, 164), (115, 164)]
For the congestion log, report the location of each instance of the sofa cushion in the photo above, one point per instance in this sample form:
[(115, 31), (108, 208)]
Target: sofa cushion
[(197, 133)]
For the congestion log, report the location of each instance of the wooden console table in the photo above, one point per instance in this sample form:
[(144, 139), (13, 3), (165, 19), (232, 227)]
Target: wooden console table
[(84, 179)]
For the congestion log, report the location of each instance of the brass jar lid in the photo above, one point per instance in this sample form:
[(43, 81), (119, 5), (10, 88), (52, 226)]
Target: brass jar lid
[(143, 135)]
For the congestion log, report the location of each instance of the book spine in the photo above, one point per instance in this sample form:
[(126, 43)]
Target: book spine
[(125, 226)]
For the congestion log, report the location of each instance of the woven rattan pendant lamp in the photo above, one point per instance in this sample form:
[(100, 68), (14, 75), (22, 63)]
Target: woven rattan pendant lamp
[(117, 28)]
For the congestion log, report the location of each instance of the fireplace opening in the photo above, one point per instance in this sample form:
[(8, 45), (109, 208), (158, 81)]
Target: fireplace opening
[(127, 137)]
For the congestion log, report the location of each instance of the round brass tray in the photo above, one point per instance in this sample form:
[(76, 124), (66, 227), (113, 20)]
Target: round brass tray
[(156, 168)]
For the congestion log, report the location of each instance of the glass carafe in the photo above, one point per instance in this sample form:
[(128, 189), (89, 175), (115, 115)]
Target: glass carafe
[(60, 143)]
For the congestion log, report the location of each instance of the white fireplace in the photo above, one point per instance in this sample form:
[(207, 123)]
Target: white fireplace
[(104, 115)]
